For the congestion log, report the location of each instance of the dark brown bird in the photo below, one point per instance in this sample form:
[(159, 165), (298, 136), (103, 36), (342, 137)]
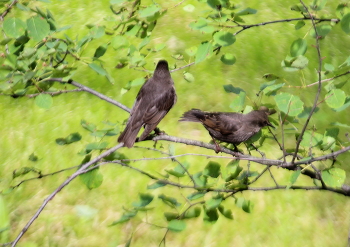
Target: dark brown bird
[(230, 127), (155, 98)]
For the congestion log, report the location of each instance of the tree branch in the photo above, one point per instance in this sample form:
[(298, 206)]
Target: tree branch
[(81, 170), (300, 138), (93, 92)]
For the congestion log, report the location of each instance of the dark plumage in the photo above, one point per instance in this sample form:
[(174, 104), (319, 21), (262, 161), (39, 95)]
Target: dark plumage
[(155, 98), (230, 127)]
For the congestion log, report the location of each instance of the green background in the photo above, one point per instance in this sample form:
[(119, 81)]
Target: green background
[(80, 217)]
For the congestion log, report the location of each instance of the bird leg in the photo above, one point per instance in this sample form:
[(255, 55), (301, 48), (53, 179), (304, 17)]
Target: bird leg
[(217, 147)]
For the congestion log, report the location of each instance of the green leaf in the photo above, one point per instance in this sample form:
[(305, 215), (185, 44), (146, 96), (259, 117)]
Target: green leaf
[(178, 171), (149, 11), (299, 25), (226, 212), (291, 64), (212, 169), (204, 51), (44, 101), (328, 67), (224, 38), (155, 185), (244, 204), (289, 104), (97, 32), (92, 179), (74, 137), (238, 103), (329, 138), (345, 23), (38, 28), (189, 8), (335, 98), (171, 216), (228, 59), (88, 126), (188, 77), (341, 10), (193, 212), (322, 31), (96, 146), (334, 177), (231, 89), (196, 195), (145, 199), (232, 170), (298, 47), (23, 171), (125, 217), (170, 201), (318, 4), (33, 157), (340, 125), (200, 180), (120, 42), (343, 107), (211, 215), (100, 51), (213, 203), (191, 51), (14, 27), (293, 178), (98, 69), (311, 139), (271, 90), (177, 225), (247, 11)]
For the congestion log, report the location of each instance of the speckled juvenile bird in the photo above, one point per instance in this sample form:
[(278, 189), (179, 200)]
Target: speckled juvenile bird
[(155, 98), (229, 127)]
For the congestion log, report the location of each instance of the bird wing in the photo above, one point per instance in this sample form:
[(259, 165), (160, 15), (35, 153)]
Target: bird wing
[(225, 123)]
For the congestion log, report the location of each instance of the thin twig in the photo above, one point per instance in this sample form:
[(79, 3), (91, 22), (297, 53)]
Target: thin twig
[(300, 138), (93, 92), (245, 27), (55, 93), (7, 10), (81, 170), (322, 81)]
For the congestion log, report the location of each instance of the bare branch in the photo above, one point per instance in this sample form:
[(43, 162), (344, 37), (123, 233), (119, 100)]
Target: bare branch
[(7, 10), (93, 92), (81, 170)]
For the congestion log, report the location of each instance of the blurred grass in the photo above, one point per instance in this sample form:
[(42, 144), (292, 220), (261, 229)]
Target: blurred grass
[(279, 218)]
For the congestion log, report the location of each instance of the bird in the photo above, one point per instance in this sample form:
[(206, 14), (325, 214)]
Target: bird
[(230, 127), (154, 100)]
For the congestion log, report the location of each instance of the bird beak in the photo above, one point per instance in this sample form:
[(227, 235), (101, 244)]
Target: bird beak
[(269, 124)]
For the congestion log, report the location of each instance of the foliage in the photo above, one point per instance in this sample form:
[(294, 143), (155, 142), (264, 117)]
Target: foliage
[(39, 60)]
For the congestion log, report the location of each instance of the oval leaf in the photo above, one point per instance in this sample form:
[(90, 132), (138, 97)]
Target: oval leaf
[(298, 47), (14, 27), (289, 104), (334, 177), (228, 59), (335, 98), (224, 38), (177, 225), (38, 28), (345, 23), (204, 51), (44, 101)]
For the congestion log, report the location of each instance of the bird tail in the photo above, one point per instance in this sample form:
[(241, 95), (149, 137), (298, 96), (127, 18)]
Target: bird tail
[(128, 136), (194, 115)]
